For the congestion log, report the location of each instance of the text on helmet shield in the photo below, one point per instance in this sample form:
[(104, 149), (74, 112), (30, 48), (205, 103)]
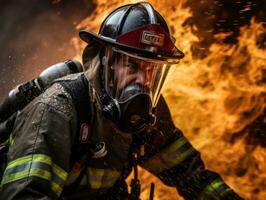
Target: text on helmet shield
[(152, 38)]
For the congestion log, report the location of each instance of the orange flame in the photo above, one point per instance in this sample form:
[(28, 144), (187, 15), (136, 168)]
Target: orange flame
[(211, 98)]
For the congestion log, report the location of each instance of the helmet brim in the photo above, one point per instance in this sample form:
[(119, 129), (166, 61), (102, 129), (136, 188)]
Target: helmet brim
[(88, 37)]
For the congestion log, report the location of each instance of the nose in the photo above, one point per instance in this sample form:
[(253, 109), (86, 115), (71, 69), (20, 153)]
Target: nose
[(141, 78)]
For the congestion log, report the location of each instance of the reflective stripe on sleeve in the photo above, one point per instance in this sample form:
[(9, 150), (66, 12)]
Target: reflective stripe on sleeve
[(37, 165), (215, 190), (72, 176), (173, 155), (102, 178)]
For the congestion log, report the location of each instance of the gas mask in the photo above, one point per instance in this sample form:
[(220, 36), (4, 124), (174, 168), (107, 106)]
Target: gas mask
[(131, 88)]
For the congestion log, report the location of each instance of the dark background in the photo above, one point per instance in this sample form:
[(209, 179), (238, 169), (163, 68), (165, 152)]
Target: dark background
[(36, 34)]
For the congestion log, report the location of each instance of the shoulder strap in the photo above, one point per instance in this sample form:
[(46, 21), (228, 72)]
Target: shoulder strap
[(79, 91)]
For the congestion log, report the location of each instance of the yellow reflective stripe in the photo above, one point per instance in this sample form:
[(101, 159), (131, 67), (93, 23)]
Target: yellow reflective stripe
[(95, 185), (33, 172), (109, 178), (41, 174), (32, 166), (99, 172), (95, 174), (19, 161), (217, 189), (173, 155), (175, 146), (227, 190), (38, 173), (30, 158), (62, 175), (56, 188), (102, 178), (182, 156), (59, 172)]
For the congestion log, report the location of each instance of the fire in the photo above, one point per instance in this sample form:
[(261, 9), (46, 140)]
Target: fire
[(212, 99), (215, 97)]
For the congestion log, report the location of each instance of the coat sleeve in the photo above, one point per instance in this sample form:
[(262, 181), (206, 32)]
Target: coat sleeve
[(38, 159), (170, 157)]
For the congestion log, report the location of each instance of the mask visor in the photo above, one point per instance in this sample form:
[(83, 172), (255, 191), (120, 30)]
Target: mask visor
[(127, 75)]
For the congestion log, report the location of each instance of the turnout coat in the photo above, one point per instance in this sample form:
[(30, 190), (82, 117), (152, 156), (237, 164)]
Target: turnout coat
[(42, 165)]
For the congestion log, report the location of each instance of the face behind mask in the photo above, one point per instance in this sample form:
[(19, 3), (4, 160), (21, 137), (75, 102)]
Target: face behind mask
[(132, 88)]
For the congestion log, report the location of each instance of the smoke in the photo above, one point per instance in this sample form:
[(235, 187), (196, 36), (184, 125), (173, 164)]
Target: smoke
[(36, 34)]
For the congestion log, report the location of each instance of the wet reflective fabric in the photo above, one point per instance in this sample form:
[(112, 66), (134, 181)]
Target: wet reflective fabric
[(215, 190), (36, 165), (173, 155)]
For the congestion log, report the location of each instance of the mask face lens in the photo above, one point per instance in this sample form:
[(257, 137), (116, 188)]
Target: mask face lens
[(135, 70), (126, 76), (131, 71)]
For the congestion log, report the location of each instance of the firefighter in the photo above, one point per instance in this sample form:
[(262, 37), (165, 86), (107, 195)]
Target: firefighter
[(55, 155)]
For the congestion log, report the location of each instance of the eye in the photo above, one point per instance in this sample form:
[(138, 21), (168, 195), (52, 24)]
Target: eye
[(132, 67)]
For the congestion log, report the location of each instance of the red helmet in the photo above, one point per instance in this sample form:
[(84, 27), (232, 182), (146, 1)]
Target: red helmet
[(139, 29)]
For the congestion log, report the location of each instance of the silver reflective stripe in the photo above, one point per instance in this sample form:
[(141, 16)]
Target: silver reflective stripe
[(96, 179), (102, 178), (171, 156), (215, 190), (36, 165), (27, 167)]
